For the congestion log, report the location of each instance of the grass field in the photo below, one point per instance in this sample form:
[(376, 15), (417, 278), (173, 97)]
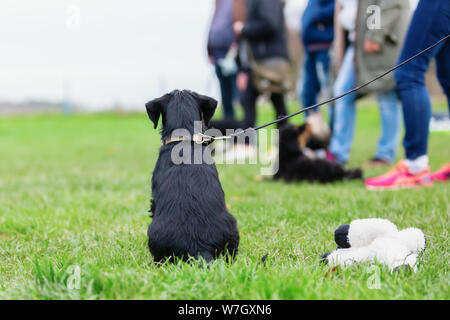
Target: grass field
[(74, 195)]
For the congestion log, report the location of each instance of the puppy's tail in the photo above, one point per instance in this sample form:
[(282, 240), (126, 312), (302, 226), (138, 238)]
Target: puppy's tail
[(353, 174)]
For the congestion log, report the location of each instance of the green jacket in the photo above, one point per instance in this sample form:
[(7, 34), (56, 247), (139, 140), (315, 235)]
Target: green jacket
[(393, 23)]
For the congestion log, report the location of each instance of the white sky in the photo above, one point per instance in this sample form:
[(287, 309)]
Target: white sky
[(125, 52), (120, 53)]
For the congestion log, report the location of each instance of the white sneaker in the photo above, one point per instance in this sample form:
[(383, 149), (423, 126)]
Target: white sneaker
[(440, 125)]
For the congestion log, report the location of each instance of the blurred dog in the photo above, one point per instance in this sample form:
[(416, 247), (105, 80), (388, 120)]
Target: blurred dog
[(298, 155), (190, 219)]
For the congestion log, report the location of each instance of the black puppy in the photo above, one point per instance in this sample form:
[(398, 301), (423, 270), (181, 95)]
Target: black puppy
[(296, 164), (190, 219)]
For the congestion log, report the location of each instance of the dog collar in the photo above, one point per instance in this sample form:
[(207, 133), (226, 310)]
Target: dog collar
[(171, 140)]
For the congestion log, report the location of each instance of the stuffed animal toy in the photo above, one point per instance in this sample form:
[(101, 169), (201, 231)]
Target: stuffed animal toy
[(376, 240)]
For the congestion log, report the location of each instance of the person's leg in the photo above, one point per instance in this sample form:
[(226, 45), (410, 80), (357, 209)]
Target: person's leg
[(230, 83), (323, 74), (429, 24), (226, 91), (311, 85), (280, 107), (443, 69), (323, 70), (344, 116), (249, 103), (390, 125), (443, 74)]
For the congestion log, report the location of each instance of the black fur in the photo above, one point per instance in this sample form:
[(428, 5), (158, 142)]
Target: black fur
[(294, 165), (341, 236), (190, 218)]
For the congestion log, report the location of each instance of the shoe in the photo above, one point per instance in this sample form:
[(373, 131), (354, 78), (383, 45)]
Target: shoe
[(330, 156), (400, 166), (399, 177), (443, 174), (376, 162)]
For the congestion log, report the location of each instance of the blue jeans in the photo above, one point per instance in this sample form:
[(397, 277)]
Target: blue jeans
[(344, 116), (430, 23), (228, 91), (315, 76)]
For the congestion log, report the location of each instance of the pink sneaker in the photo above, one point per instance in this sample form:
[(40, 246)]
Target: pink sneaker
[(443, 174), (399, 177), (401, 166)]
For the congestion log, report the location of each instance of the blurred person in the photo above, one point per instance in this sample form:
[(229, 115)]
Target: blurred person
[(293, 12), (264, 32), (317, 36), (371, 50), (221, 52), (430, 23), (240, 11)]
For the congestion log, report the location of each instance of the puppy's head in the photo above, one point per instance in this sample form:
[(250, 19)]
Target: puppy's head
[(180, 109), (320, 133)]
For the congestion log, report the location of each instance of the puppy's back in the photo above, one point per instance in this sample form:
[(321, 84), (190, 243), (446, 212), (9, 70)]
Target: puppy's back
[(190, 218)]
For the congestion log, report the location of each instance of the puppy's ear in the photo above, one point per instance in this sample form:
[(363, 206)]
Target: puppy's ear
[(155, 108), (207, 105)]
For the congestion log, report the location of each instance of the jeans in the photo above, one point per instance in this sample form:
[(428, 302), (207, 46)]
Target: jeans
[(430, 23), (248, 101), (344, 116), (228, 91), (315, 76)]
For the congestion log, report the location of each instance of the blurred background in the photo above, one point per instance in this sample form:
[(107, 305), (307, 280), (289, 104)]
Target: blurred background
[(82, 55), (100, 54)]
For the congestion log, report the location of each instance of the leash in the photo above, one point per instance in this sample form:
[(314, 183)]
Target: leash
[(201, 138)]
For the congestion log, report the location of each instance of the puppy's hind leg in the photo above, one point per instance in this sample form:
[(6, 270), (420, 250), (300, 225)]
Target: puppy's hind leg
[(208, 257)]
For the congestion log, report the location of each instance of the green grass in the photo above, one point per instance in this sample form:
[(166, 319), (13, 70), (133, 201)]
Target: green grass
[(74, 193)]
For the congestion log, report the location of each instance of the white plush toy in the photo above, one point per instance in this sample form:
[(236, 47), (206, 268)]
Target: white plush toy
[(376, 240)]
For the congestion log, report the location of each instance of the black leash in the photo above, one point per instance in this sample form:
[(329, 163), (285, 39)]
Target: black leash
[(209, 139)]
